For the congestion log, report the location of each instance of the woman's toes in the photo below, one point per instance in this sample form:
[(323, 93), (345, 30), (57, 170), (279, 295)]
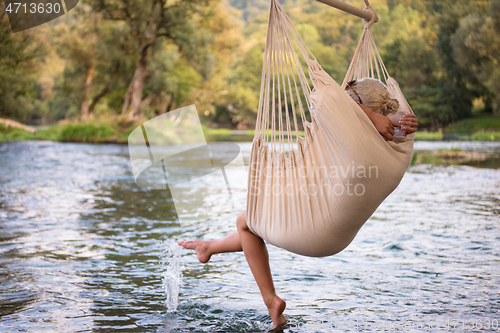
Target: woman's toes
[(200, 247)]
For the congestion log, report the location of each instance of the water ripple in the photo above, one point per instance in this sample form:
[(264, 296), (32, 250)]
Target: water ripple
[(82, 246)]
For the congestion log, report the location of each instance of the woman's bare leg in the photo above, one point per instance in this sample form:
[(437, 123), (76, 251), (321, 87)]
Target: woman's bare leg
[(258, 259), (205, 249)]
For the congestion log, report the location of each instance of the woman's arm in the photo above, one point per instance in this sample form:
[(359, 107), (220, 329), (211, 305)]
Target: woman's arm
[(382, 123)]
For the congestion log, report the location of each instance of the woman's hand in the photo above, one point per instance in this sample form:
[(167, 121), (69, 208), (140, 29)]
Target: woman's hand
[(408, 123), (382, 123)]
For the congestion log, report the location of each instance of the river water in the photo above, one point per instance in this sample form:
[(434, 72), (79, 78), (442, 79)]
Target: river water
[(83, 248)]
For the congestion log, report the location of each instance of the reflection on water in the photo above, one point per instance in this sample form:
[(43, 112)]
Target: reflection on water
[(81, 248)]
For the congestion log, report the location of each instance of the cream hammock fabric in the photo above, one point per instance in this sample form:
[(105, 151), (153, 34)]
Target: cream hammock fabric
[(310, 195)]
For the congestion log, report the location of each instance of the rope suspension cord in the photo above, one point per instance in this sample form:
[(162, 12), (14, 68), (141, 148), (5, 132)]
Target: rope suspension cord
[(367, 59), (280, 92)]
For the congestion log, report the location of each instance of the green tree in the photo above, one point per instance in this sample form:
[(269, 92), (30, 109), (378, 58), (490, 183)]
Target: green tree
[(149, 21), (242, 98), (177, 79), (78, 45), (445, 90), (98, 58), (476, 46), (19, 56)]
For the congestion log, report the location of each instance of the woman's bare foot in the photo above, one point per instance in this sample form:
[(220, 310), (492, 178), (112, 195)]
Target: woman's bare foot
[(200, 246), (275, 308)]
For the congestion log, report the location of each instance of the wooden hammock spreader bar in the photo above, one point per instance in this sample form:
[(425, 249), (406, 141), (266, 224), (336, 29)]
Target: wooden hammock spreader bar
[(348, 8)]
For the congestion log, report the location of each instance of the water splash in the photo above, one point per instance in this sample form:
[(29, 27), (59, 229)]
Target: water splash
[(172, 274)]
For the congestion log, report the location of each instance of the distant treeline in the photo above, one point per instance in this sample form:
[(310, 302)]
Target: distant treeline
[(131, 60)]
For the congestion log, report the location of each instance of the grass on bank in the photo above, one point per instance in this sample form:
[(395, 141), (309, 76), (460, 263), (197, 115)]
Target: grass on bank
[(486, 136), (480, 128), (74, 132), (428, 136), (14, 134), (484, 123), (227, 131)]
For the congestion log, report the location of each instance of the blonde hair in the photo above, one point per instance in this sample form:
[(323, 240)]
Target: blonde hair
[(374, 94)]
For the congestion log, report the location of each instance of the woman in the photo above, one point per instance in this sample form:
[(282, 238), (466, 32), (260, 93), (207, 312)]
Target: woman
[(363, 92), (373, 98)]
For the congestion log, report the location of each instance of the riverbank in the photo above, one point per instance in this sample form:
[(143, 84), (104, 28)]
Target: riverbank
[(72, 132), (479, 128), (456, 156)]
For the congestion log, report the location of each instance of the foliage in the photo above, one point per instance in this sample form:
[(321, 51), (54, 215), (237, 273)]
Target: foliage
[(14, 134), (19, 54), (428, 136), (476, 49), (453, 149), (486, 136), (86, 132), (444, 54), (475, 124)]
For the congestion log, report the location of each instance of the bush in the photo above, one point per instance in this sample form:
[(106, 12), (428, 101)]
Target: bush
[(472, 125), (448, 150), (53, 133), (87, 132), (486, 136), (14, 134), (428, 136)]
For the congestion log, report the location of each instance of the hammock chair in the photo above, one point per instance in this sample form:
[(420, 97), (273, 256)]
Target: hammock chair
[(311, 194)]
